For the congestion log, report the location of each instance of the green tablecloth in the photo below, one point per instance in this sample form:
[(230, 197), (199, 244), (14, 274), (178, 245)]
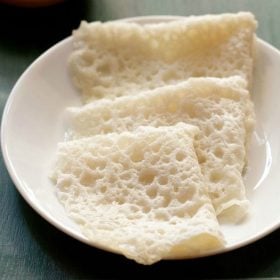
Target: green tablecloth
[(30, 248)]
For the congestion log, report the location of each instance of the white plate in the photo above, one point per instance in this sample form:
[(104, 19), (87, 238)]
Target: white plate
[(32, 125)]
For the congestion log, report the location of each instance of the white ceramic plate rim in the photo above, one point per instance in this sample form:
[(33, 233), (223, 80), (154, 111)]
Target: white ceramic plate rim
[(40, 210)]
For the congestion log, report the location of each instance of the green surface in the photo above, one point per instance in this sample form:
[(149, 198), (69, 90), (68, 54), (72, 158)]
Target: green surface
[(30, 248)]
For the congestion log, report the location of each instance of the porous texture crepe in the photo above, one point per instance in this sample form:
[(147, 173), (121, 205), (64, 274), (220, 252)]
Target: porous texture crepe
[(222, 110), (122, 58), (139, 193), (153, 160)]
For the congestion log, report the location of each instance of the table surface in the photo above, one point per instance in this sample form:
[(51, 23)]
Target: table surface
[(30, 248)]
